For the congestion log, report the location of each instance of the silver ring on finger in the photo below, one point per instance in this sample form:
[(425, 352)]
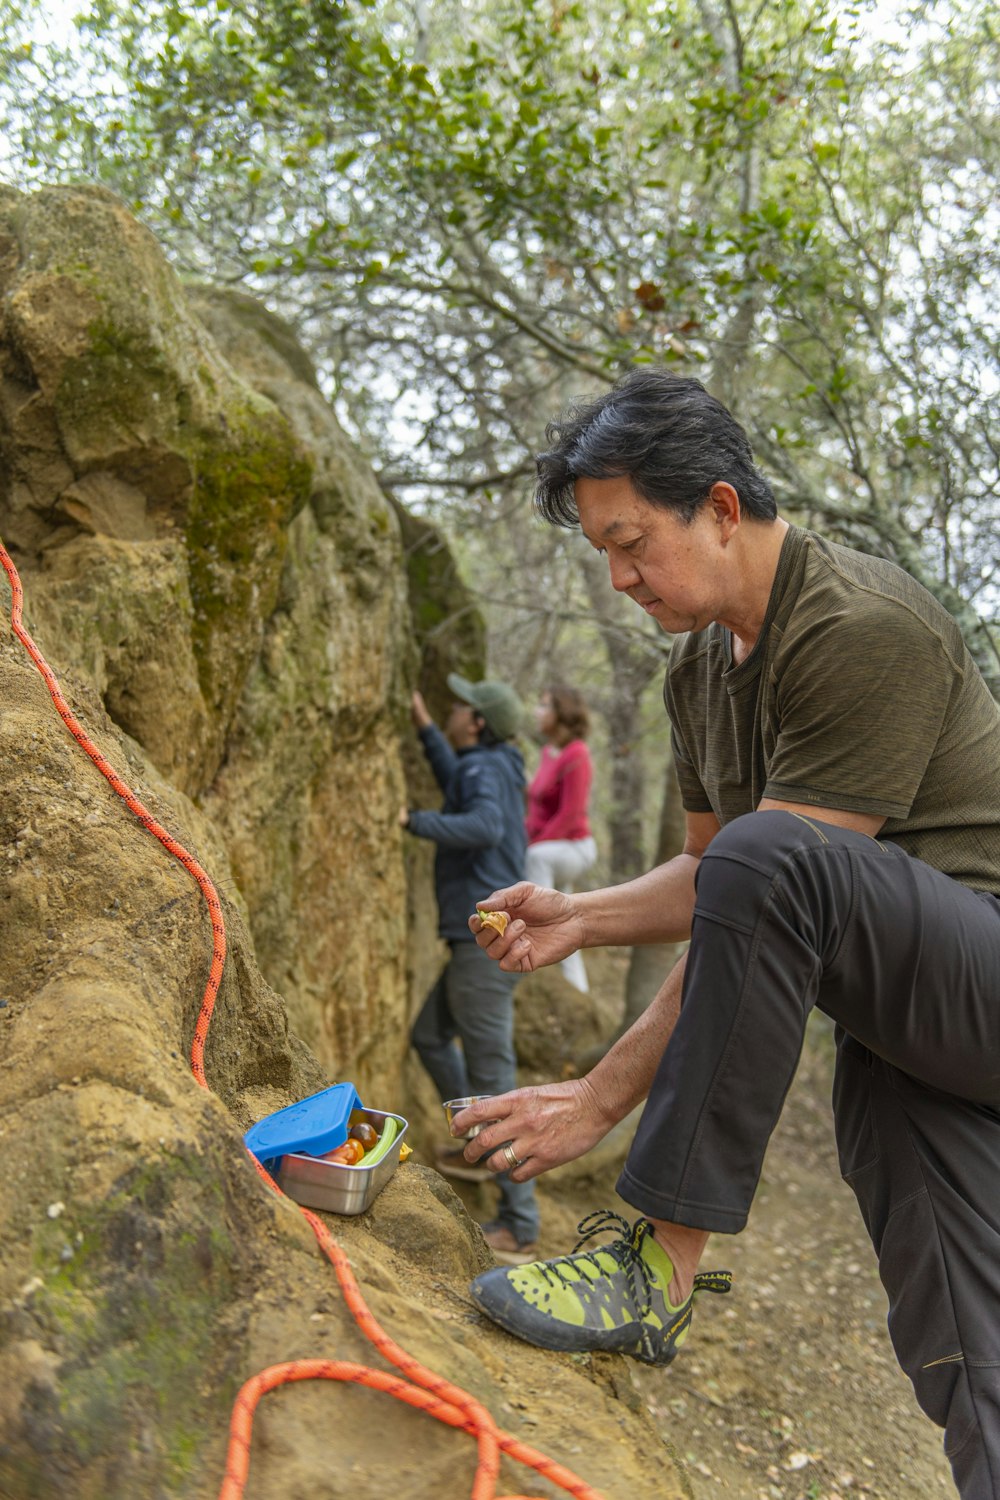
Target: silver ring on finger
[(510, 1155)]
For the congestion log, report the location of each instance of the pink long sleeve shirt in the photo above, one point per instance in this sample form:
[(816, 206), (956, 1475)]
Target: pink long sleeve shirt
[(557, 796)]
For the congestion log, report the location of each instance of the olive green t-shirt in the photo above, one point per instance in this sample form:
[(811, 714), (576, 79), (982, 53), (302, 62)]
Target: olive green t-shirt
[(860, 695)]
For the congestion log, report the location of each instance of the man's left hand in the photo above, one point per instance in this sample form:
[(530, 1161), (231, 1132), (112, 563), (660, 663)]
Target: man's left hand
[(419, 712), (546, 1125)]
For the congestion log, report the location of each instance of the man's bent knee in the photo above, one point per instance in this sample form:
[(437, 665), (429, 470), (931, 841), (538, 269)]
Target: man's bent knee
[(754, 835), (752, 850), (764, 853)]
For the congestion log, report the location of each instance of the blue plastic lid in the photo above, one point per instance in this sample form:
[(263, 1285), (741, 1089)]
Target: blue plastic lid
[(314, 1125)]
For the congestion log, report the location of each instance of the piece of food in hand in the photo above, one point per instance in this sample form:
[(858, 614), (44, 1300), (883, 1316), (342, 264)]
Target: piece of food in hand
[(365, 1133), (347, 1155), (496, 919)]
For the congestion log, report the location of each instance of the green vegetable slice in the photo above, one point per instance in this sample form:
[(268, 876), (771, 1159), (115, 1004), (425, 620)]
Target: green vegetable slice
[(386, 1137)]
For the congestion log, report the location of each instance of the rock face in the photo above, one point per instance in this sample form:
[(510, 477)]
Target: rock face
[(199, 542), (221, 588)]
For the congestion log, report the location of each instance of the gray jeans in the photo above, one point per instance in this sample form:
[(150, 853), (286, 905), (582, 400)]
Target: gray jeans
[(473, 1003)]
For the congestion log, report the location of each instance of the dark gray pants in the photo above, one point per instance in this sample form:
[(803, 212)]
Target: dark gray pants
[(473, 1001), (789, 914)]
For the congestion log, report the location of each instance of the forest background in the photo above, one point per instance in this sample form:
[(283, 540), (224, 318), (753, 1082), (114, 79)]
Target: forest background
[(474, 213)]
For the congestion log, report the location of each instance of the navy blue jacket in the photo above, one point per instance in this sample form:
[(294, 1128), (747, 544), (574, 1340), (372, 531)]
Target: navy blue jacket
[(479, 830)]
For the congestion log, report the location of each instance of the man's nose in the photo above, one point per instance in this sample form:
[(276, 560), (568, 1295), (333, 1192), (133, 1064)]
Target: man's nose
[(624, 574)]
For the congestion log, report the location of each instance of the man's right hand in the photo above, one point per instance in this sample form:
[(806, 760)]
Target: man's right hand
[(544, 927)]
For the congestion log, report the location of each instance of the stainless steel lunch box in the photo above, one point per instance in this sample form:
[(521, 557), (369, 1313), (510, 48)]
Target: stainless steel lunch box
[(334, 1187)]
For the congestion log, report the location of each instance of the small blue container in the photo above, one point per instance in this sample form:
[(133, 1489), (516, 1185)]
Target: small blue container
[(315, 1125)]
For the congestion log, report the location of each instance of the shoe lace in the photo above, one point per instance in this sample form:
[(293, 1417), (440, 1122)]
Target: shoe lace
[(624, 1249)]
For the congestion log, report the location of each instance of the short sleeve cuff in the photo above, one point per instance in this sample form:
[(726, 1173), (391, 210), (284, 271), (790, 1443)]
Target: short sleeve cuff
[(886, 807)]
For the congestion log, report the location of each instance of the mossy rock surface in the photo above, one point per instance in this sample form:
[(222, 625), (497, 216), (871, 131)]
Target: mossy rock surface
[(127, 384)]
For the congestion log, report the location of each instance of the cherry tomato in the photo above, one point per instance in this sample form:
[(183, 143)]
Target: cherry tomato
[(347, 1155), (365, 1133)]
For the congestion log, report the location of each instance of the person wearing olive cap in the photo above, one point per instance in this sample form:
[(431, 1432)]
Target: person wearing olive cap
[(481, 843)]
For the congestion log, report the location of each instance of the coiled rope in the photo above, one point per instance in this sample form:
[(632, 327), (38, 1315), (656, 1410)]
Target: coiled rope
[(422, 1388)]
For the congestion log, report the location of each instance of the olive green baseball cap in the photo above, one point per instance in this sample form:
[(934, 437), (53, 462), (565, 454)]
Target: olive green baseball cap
[(499, 704)]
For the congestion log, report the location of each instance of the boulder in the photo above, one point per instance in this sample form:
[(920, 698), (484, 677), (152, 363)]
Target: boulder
[(219, 584), (199, 541)]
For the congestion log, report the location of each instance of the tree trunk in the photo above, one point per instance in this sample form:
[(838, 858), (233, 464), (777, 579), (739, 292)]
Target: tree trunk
[(651, 963), (626, 855), (633, 659)]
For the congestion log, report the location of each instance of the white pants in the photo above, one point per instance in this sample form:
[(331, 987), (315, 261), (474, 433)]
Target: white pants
[(558, 864)]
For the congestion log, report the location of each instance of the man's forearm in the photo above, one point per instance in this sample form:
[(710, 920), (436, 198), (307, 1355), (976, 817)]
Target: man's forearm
[(440, 755), (624, 1076), (656, 908)]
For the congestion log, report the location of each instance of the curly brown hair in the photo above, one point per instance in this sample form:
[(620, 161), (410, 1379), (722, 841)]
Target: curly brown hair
[(571, 711)]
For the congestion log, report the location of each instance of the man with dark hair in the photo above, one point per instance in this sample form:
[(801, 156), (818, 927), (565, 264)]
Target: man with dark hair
[(838, 754), (481, 843), (667, 434)]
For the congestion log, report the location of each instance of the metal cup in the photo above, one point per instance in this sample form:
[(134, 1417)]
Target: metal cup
[(453, 1107)]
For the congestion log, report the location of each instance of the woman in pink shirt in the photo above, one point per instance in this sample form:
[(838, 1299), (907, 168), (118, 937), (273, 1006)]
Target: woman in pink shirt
[(560, 845)]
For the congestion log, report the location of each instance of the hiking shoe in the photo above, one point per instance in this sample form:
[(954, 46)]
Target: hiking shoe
[(611, 1298), (506, 1246), (450, 1160)]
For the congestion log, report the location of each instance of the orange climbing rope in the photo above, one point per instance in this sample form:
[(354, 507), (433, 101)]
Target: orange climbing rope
[(146, 818), (423, 1389)]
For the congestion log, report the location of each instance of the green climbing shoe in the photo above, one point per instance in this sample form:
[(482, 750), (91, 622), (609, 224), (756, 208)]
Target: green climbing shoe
[(611, 1298)]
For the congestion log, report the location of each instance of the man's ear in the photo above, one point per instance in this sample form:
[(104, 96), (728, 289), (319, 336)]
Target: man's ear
[(725, 503), (479, 722)]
